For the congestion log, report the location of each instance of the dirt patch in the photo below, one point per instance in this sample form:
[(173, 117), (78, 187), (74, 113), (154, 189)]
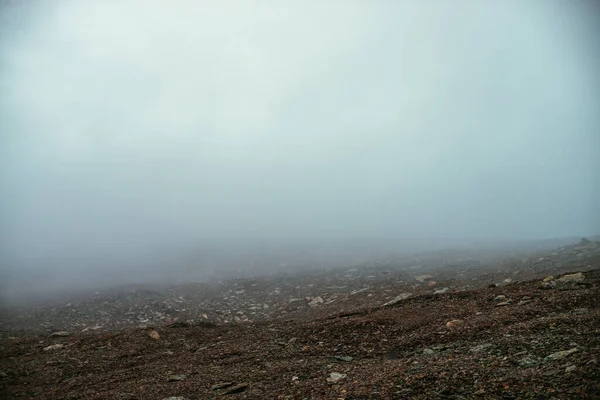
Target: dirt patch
[(521, 339)]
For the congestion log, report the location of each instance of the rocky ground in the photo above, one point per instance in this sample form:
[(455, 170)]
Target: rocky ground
[(438, 325)]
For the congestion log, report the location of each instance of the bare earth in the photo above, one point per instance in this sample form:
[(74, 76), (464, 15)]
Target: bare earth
[(372, 332)]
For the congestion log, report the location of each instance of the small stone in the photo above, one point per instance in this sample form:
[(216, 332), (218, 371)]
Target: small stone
[(335, 376), (480, 347), (236, 389), (398, 299), (60, 334), (316, 301), (153, 335), (548, 278), (428, 351), (547, 285), (441, 291), (342, 358), (454, 323), (528, 362), (424, 278), (54, 347), (570, 368), (500, 298), (559, 355), (179, 324), (504, 303), (523, 302), (223, 385), (173, 378)]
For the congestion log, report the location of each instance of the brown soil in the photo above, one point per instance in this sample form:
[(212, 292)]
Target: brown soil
[(463, 344)]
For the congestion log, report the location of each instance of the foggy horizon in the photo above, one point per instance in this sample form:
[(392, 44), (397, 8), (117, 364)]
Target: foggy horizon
[(133, 128)]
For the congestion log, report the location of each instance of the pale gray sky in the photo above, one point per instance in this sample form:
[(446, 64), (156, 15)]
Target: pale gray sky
[(130, 124)]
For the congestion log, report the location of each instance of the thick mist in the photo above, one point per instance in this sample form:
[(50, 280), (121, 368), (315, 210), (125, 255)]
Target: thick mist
[(136, 131)]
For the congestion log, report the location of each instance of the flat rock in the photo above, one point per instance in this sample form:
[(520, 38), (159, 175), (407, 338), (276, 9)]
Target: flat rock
[(424, 278), (222, 385), (342, 358), (528, 362), (236, 389), (316, 301), (454, 323), (575, 278), (398, 299), (172, 378), (335, 376), (54, 347), (60, 334), (559, 355)]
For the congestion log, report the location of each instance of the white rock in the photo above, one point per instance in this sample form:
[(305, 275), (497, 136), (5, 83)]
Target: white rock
[(398, 299), (316, 301), (424, 278), (559, 355), (54, 347), (335, 376)]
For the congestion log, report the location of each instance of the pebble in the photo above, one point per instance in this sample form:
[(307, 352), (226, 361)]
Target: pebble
[(453, 323), (60, 334), (153, 335), (342, 358), (54, 347), (236, 389), (335, 376), (222, 385), (172, 378)]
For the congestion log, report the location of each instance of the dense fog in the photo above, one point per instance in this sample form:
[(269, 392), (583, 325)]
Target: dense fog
[(138, 134)]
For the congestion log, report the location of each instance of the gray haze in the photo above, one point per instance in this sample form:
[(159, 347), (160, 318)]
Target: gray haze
[(132, 126)]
